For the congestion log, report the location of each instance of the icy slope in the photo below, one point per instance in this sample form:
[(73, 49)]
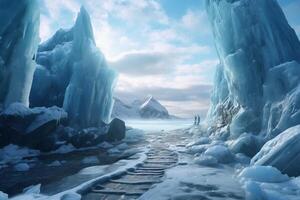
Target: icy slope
[(19, 38), (257, 81), (73, 74)]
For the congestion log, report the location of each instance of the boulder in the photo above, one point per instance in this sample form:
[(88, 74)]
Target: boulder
[(116, 131), (30, 127), (88, 137), (282, 152)]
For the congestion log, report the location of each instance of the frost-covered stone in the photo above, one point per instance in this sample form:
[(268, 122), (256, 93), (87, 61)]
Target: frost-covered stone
[(73, 74), (19, 38), (257, 81), (282, 152)]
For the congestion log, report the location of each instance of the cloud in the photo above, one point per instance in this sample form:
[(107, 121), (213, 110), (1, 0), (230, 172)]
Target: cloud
[(144, 63)]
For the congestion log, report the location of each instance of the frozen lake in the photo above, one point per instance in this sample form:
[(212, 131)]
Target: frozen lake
[(158, 125)]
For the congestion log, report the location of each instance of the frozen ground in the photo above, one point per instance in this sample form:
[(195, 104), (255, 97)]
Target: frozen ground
[(206, 170)]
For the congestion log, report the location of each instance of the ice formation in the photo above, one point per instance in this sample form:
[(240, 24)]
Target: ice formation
[(257, 82), (19, 38), (72, 73)]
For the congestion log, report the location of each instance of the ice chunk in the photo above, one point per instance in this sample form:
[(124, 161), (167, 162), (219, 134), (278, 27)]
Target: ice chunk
[(19, 38), (206, 160), (264, 174), (34, 189), (73, 74), (282, 152), (220, 152), (259, 68), (3, 196)]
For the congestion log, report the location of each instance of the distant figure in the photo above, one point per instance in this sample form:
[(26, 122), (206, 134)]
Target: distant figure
[(195, 120), (198, 119)]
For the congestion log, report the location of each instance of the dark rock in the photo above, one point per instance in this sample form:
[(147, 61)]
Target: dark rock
[(31, 127), (116, 131), (88, 137)]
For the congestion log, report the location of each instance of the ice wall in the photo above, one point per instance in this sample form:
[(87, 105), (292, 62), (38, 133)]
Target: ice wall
[(255, 85), (19, 38), (72, 73)]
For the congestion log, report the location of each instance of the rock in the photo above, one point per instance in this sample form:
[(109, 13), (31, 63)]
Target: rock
[(31, 127), (116, 131), (282, 152), (247, 144), (88, 137)]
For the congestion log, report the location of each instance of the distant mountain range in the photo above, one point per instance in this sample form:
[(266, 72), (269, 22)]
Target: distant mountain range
[(147, 109)]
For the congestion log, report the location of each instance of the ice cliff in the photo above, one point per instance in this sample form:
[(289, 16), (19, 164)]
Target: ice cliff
[(19, 38), (257, 81), (72, 73)]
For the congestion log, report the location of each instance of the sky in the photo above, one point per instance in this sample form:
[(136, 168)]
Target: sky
[(162, 48)]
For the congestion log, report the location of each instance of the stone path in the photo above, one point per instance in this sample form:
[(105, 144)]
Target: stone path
[(135, 182)]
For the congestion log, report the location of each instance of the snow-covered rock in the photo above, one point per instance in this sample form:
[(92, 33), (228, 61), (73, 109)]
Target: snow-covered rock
[(73, 74), (30, 127), (19, 38), (257, 82), (22, 167), (282, 152), (3, 196)]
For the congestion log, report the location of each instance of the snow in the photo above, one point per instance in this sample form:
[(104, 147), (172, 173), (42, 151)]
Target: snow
[(282, 152), (221, 153), (263, 174), (134, 135), (34, 189), (90, 160), (67, 148), (3, 196), (22, 167), (206, 160), (55, 163), (266, 182), (19, 33), (71, 196), (105, 145), (14, 154)]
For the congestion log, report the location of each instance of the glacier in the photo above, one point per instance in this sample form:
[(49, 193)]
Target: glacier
[(72, 73), (257, 81), (19, 38)]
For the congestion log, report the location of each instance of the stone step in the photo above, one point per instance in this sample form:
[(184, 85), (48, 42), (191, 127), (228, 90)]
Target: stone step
[(135, 182), (118, 192), (145, 173)]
